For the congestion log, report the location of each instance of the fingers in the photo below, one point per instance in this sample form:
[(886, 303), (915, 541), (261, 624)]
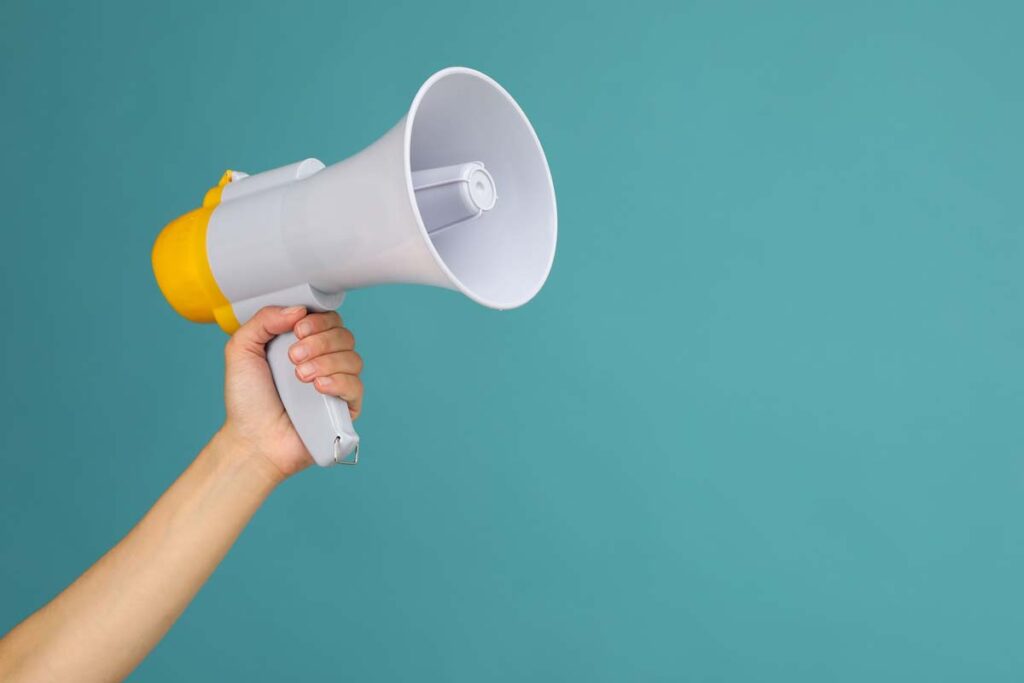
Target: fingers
[(317, 322), (340, 362), (325, 357), (346, 387), (343, 384), (321, 343), (252, 337)]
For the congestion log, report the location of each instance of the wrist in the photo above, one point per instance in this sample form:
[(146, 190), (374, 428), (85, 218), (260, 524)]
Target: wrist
[(241, 454)]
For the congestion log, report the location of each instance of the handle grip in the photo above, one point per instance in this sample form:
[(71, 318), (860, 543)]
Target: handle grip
[(323, 422)]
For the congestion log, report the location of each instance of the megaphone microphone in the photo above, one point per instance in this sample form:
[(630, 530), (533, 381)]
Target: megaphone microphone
[(457, 194)]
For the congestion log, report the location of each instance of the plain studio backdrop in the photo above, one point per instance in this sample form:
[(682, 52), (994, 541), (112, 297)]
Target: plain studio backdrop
[(765, 421)]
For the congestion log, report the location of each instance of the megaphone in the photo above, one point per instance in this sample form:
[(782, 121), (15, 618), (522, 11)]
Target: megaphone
[(457, 194)]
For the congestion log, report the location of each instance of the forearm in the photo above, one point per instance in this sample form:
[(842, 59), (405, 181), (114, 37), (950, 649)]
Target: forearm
[(103, 625)]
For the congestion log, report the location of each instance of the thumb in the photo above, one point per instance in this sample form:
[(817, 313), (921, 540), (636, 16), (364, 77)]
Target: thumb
[(270, 321)]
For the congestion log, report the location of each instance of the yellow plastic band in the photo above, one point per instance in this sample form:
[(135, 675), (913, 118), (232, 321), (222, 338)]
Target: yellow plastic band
[(212, 197), (182, 266)]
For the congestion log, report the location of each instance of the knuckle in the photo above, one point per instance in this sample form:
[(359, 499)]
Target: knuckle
[(325, 321), (348, 340), (357, 362)]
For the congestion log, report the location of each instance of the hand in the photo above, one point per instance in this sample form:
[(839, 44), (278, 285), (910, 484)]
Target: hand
[(323, 356)]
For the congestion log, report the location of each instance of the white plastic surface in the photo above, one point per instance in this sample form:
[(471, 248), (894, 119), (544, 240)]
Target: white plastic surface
[(243, 184), (452, 194), (356, 223), (300, 295), (502, 258)]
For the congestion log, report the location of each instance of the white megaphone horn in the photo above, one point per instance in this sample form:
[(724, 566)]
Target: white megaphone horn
[(458, 195)]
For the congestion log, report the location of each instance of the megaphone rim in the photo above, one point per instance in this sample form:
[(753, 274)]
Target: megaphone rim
[(409, 120)]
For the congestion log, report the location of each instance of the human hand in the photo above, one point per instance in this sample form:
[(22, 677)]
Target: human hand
[(324, 356)]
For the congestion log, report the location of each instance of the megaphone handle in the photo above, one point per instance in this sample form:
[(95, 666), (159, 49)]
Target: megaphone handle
[(323, 422)]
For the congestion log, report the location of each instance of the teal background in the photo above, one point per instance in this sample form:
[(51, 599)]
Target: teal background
[(765, 421)]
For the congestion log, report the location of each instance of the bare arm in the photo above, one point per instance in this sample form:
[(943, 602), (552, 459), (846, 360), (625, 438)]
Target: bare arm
[(103, 624), (108, 620)]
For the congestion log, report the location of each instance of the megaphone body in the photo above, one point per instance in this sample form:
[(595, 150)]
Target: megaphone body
[(456, 195)]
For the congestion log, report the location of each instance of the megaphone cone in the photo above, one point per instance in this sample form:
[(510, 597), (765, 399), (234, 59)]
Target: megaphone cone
[(457, 194)]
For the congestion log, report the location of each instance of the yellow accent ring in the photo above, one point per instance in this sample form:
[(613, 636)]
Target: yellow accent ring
[(182, 266)]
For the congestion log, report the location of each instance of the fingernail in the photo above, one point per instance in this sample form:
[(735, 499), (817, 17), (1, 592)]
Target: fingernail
[(324, 381), (299, 353), (306, 369), (303, 329), (291, 310)]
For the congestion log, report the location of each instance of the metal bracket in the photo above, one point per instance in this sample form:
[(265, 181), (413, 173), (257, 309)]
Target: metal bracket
[(339, 457)]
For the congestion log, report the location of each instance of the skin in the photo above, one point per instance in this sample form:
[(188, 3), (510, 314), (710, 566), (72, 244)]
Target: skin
[(102, 625)]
